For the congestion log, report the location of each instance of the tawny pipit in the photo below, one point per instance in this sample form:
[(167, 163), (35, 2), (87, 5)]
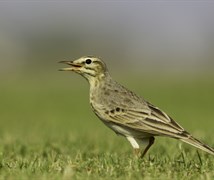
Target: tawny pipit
[(124, 112)]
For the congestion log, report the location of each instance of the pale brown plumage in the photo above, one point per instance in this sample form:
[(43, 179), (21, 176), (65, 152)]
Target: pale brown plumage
[(123, 111)]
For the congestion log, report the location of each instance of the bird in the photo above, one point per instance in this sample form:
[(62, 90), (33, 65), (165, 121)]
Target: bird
[(126, 113)]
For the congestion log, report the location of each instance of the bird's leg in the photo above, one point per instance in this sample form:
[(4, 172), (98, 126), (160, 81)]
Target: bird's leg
[(137, 151), (134, 145), (151, 141)]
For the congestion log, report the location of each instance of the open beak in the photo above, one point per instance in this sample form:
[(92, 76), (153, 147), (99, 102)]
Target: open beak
[(73, 65)]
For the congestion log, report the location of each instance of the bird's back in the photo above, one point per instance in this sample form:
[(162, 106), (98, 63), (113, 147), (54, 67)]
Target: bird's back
[(114, 103)]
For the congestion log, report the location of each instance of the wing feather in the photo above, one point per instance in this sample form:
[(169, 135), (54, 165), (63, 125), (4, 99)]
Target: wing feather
[(154, 121)]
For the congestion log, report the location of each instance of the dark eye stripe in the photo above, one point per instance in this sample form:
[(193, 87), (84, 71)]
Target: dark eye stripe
[(89, 68)]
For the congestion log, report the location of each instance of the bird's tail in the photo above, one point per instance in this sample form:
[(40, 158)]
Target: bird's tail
[(195, 142)]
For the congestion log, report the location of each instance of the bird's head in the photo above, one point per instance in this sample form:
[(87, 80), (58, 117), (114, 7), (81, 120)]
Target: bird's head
[(88, 66)]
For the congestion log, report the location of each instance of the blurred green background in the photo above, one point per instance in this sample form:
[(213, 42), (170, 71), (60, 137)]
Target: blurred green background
[(161, 50)]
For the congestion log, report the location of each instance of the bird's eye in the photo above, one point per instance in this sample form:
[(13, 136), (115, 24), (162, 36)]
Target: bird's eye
[(88, 61)]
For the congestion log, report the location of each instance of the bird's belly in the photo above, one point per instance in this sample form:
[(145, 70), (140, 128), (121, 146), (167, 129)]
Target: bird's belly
[(127, 132), (120, 130)]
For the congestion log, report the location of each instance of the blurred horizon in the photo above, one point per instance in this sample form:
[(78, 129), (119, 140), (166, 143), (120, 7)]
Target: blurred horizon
[(164, 36)]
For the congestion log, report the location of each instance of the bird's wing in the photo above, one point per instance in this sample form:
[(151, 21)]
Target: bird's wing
[(150, 120)]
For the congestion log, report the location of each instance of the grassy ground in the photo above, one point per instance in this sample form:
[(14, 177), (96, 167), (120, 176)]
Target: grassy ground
[(48, 131)]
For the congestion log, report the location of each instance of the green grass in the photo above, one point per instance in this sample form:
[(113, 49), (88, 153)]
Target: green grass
[(48, 131)]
